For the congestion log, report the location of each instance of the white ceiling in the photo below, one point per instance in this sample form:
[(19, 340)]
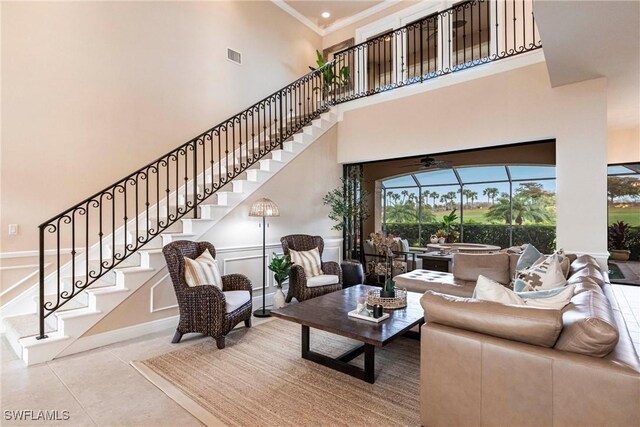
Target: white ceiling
[(339, 10), (583, 40)]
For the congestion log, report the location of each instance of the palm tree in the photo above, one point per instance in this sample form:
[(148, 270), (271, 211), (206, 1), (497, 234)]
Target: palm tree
[(473, 196), (451, 196), (434, 196), (491, 193), (521, 209)]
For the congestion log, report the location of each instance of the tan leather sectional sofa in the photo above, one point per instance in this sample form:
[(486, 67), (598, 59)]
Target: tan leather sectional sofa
[(489, 364)]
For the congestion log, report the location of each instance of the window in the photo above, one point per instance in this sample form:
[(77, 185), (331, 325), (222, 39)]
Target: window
[(623, 194), (498, 205)]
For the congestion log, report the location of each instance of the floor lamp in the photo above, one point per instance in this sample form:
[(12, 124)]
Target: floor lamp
[(263, 208)]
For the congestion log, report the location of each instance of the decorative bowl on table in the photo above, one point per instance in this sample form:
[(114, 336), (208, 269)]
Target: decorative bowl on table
[(399, 301)]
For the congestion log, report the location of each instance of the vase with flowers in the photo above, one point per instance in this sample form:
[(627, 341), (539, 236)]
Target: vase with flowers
[(384, 247)]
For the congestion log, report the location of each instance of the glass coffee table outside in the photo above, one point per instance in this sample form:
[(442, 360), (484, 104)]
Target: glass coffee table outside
[(329, 313)]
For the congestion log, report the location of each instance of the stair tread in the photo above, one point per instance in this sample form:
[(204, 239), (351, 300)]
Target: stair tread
[(71, 305), (108, 290), (26, 325)]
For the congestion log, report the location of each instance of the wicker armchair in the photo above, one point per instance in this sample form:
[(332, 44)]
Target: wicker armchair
[(203, 309), (297, 279)]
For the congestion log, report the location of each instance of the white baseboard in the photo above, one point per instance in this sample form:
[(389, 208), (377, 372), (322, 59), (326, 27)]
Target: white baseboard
[(90, 342), (86, 343)]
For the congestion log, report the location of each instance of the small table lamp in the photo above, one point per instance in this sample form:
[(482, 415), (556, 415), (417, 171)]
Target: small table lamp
[(263, 208)]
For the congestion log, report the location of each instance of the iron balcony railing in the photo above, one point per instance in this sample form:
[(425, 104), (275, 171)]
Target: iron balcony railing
[(105, 229)]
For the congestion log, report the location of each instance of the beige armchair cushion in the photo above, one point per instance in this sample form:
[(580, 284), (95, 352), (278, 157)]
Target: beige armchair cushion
[(537, 326), (322, 280)]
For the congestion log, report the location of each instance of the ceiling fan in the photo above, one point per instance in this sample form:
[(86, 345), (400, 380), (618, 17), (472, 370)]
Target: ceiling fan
[(429, 162)]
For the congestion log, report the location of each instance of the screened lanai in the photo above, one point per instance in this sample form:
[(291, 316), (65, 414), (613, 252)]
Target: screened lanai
[(502, 205)]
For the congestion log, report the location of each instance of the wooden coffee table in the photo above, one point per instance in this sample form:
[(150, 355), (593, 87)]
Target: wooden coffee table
[(329, 313)]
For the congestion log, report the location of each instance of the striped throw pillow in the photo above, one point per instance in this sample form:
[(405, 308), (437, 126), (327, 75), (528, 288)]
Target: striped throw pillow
[(202, 271), (308, 260)]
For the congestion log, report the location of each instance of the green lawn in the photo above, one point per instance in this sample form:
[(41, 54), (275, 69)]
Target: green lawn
[(630, 215), (475, 216)]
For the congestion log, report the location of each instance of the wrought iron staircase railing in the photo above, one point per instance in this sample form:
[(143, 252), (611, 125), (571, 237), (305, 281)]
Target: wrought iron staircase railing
[(106, 228)]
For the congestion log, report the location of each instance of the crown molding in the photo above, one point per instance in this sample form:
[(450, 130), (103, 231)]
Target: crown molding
[(345, 22), (300, 17), (339, 24)]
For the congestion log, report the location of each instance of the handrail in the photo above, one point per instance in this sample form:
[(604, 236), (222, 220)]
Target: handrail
[(112, 224)]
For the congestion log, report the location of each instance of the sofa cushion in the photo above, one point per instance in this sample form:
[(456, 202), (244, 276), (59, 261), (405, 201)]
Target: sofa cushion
[(322, 280), (427, 280), (591, 272), (589, 326), (235, 299), (537, 326), (584, 261), (584, 284), (470, 266), (308, 260), (489, 290)]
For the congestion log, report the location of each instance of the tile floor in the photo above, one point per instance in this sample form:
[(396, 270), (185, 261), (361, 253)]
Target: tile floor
[(100, 387)]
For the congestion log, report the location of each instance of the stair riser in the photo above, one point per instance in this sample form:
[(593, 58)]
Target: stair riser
[(213, 212), (197, 227)]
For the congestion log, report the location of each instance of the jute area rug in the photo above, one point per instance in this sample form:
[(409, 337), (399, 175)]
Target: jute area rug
[(259, 379)]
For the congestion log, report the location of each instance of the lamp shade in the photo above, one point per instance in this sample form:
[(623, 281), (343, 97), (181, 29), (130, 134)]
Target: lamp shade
[(264, 207)]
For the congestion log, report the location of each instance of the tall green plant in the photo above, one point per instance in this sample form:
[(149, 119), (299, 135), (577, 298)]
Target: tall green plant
[(348, 202), (330, 79)]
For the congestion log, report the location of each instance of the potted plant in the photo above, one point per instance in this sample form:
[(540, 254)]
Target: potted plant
[(618, 232), (348, 206), (281, 267), (441, 236), (449, 226), (331, 80)]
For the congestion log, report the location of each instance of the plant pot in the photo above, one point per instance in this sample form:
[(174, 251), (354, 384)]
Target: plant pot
[(441, 240), (387, 294), (278, 298), (352, 273), (619, 254)]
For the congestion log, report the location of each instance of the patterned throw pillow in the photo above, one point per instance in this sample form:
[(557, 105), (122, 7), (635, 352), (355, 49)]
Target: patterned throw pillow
[(308, 260), (547, 274), (490, 290), (528, 257), (564, 261), (202, 271)]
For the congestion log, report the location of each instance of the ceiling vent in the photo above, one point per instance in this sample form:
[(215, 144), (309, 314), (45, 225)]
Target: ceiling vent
[(234, 56)]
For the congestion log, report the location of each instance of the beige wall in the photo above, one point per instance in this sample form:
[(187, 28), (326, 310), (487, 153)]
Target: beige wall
[(91, 91), (623, 145), (297, 190), (509, 107)]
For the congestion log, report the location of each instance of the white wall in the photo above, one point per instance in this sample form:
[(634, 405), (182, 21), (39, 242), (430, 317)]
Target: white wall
[(510, 107)]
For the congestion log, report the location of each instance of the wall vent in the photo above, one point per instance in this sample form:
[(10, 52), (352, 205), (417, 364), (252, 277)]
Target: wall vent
[(234, 56)]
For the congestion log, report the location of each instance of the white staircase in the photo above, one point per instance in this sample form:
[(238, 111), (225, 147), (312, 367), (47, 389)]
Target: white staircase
[(72, 320)]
